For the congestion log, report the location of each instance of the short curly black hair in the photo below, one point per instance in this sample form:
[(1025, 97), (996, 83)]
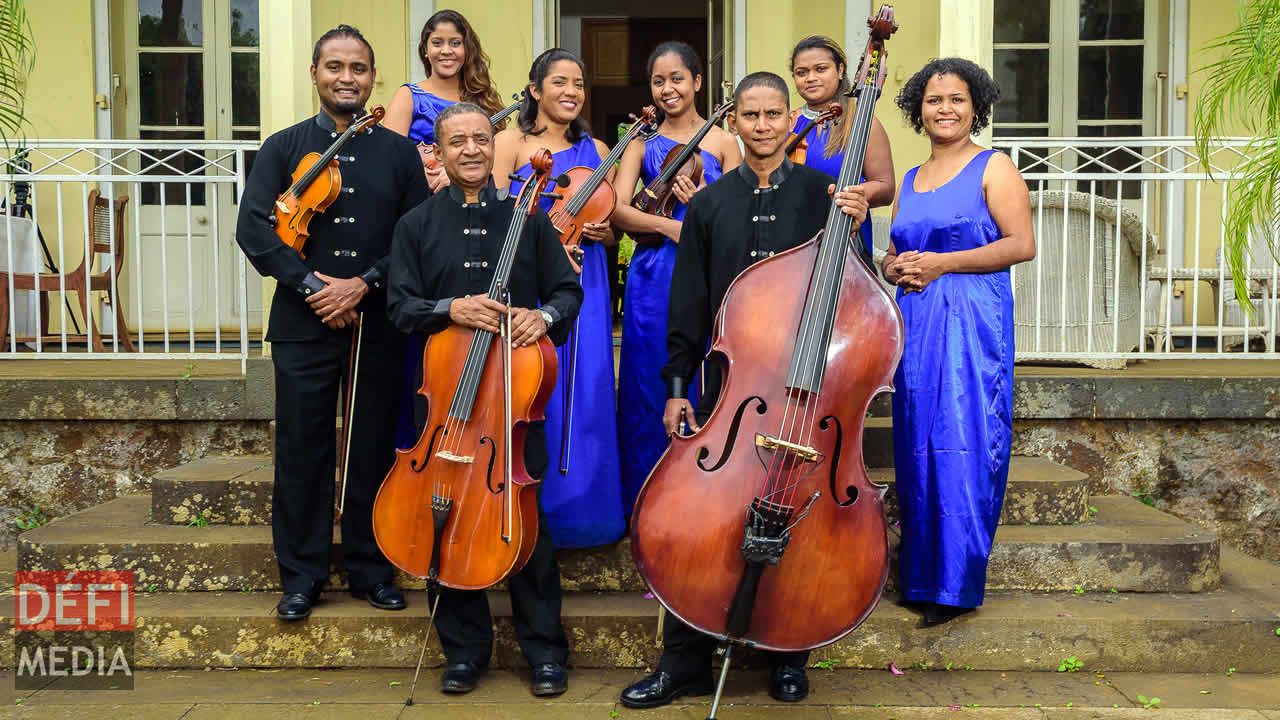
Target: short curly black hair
[(982, 89)]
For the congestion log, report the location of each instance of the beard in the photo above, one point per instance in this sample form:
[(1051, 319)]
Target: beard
[(347, 107)]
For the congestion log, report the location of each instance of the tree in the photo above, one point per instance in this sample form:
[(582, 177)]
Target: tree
[(1243, 87)]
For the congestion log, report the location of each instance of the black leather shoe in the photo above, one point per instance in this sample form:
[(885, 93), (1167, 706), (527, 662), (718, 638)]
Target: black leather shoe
[(788, 684), (294, 606), (383, 596), (662, 687), (459, 678), (937, 614), (549, 680)]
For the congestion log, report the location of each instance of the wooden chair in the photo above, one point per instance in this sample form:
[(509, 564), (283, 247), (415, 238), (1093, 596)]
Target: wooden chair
[(84, 280)]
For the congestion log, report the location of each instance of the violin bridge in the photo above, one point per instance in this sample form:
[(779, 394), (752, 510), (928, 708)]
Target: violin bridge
[(769, 442), (451, 457)]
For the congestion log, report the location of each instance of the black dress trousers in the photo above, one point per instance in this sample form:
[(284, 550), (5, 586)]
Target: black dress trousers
[(310, 382)]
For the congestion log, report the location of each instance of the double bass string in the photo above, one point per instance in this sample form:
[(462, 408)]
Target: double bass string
[(826, 286)]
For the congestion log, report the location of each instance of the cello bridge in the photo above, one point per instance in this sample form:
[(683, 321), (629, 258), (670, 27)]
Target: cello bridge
[(804, 452), (451, 457)]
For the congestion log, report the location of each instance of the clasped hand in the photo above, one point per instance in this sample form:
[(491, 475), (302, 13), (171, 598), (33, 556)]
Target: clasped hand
[(913, 270), (335, 305), (484, 313)]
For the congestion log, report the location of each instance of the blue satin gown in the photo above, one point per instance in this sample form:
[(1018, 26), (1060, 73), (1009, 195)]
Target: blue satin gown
[(953, 399), (816, 158), (642, 394), (583, 507), (421, 129)]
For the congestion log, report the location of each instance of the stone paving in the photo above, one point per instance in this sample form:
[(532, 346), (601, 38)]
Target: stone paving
[(837, 695)]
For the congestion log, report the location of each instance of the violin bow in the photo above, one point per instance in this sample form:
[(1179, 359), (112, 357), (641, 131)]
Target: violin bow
[(348, 414)]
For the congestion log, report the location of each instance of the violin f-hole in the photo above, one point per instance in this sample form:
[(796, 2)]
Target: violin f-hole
[(732, 437)]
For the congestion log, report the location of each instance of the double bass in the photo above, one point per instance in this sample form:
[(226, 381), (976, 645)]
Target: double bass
[(762, 528), (316, 184), (459, 508), (659, 197)]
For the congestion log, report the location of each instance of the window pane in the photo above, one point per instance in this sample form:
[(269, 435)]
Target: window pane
[(1110, 83), (1111, 20), (171, 89), (174, 160), (244, 89), (1107, 160), (1021, 21), (244, 23), (170, 23), (1024, 88)]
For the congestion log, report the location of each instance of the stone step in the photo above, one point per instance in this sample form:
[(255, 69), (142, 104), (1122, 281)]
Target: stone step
[(1206, 632), (1127, 546)]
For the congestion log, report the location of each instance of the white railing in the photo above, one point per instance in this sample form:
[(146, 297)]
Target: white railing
[(164, 278), (1130, 263)]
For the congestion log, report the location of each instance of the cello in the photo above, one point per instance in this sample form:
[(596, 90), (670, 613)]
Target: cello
[(659, 197), (316, 184), (428, 153), (798, 143), (788, 549), (585, 196)]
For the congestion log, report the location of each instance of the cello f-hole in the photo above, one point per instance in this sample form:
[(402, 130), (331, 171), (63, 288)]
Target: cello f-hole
[(488, 473), (732, 437), (431, 448)]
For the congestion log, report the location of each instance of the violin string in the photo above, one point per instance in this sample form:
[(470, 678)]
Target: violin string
[(830, 270)]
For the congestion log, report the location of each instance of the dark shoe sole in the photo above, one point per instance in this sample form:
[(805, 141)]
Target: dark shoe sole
[(692, 690), (293, 618), (456, 690), (780, 697), (549, 691)]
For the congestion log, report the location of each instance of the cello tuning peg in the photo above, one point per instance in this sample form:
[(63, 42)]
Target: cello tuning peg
[(552, 195), (515, 178)]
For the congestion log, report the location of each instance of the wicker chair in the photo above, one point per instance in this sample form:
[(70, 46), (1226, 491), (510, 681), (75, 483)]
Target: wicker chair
[(1065, 325)]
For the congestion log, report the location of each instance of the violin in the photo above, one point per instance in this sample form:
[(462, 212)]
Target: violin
[(459, 508), (585, 196), (658, 197), (762, 528), (427, 151), (316, 184), (798, 143)]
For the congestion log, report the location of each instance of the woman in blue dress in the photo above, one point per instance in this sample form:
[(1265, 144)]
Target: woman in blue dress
[(820, 73), (457, 69), (581, 491), (961, 220), (675, 77)]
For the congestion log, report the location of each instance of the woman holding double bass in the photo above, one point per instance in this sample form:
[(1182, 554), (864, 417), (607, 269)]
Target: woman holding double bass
[(582, 495)]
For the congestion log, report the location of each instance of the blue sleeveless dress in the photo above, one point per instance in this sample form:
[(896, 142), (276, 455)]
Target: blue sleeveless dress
[(816, 158), (642, 394), (425, 109), (953, 399), (583, 507), (421, 129)]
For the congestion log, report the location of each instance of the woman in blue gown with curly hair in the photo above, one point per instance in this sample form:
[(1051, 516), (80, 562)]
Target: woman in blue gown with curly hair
[(961, 220)]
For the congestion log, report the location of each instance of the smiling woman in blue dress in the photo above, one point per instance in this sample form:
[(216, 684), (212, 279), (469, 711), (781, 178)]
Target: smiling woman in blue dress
[(675, 77), (962, 219)]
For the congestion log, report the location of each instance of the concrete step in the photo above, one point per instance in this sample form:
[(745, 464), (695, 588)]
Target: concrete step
[(1127, 546), (1232, 626), (237, 491)]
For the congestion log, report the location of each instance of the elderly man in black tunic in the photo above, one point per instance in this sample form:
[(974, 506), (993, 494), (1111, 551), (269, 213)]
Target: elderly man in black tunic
[(312, 328), (765, 206), (443, 259)]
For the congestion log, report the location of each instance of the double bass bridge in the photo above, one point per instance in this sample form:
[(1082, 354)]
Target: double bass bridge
[(777, 444)]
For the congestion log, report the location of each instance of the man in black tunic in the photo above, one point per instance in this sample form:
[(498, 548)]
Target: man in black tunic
[(765, 206), (443, 259), (314, 314)]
